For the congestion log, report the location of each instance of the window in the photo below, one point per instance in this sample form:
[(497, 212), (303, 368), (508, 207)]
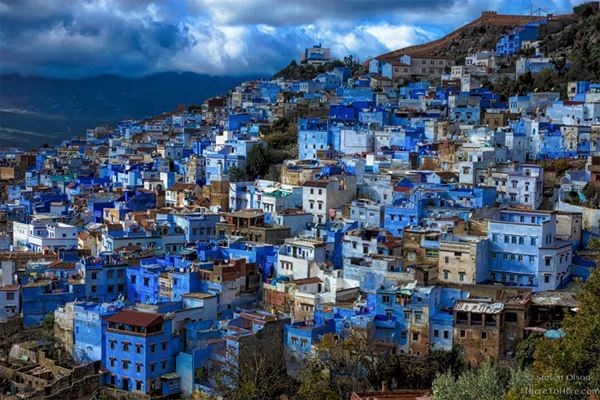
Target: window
[(163, 346), (125, 364), (386, 299), (446, 334), (132, 279), (415, 336), (463, 333), (510, 317), (547, 278), (506, 238), (436, 333), (138, 348), (521, 240), (418, 318), (112, 362), (513, 240), (531, 259), (146, 281), (112, 344), (163, 364), (125, 346), (533, 241), (494, 237), (446, 274), (484, 335), (446, 259), (153, 348), (152, 366), (547, 261), (461, 276)]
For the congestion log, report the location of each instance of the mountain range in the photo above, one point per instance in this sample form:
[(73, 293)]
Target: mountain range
[(36, 110)]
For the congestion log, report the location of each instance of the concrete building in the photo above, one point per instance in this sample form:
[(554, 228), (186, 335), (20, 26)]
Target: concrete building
[(463, 259), (526, 252), (251, 225), (490, 329), (322, 197), (140, 353), (296, 256)]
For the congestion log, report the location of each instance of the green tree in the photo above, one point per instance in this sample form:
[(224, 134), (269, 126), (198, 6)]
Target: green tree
[(314, 385), (236, 174), (253, 371), (483, 383), (257, 162), (526, 350), (591, 191), (521, 381), (577, 354)]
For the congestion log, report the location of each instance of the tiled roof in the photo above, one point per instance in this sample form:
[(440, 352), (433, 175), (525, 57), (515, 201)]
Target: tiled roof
[(135, 318), (10, 288), (182, 186), (319, 184), (306, 281)]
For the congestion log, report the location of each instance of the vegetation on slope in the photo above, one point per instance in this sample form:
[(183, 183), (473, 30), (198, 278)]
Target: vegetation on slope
[(578, 43), (305, 71), (550, 369)]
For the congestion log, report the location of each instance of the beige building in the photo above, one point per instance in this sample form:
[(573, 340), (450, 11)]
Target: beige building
[(463, 259)]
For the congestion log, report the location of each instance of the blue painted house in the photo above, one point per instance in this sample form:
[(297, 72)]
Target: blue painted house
[(89, 329), (43, 297), (140, 353), (313, 135)]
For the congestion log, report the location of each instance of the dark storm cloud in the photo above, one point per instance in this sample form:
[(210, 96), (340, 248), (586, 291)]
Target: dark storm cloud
[(135, 37), (288, 13)]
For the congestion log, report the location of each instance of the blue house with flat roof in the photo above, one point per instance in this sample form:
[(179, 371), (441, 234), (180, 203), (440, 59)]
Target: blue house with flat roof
[(203, 339), (105, 278), (526, 252), (43, 297), (143, 282), (313, 135), (406, 211), (511, 43), (89, 328)]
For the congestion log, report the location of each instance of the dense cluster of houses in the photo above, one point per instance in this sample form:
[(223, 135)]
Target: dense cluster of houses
[(420, 214)]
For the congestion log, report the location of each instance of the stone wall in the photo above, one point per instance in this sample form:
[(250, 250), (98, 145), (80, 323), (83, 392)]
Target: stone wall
[(78, 390)]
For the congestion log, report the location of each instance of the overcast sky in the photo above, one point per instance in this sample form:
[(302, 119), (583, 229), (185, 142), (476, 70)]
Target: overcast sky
[(78, 38)]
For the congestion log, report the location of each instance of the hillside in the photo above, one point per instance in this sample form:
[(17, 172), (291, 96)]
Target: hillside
[(578, 43), (36, 110), (479, 34)]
